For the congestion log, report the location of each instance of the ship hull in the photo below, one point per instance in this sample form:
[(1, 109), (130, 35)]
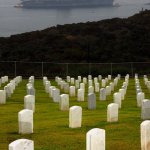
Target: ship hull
[(47, 4)]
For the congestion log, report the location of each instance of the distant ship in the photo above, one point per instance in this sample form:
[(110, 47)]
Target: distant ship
[(63, 3)]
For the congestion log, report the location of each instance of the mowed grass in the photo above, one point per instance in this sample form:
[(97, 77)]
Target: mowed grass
[(51, 126)]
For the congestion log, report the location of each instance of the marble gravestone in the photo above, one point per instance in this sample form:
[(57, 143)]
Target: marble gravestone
[(95, 139), (80, 96), (82, 86), (140, 97), (66, 87), (30, 90), (56, 95), (99, 77), (90, 89), (72, 81), (91, 101), (85, 80), (79, 78), (75, 117), (64, 102), (96, 87), (112, 112), (21, 144), (102, 94), (145, 135), (25, 118), (29, 102), (145, 110), (90, 82), (95, 80), (117, 98), (77, 84), (103, 83), (2, 97), (72, 91)]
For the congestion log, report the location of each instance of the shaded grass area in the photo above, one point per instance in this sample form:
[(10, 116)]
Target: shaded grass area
[(51, 131)]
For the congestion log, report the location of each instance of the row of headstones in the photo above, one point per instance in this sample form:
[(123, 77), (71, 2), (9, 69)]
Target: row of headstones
[(77, 83), (75, 113), (25, 116), (3, 80), (63, 99), (30, 86), (140, 96), (75, 118), (9, 89), (80, 86), (119, 96), (54, 92), (95, 139)]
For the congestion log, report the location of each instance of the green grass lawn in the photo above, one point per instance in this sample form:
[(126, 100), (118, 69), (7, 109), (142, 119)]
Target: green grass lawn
[(51, 126)]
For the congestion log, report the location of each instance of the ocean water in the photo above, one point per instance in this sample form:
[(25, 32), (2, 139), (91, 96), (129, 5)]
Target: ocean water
[(18, 20)]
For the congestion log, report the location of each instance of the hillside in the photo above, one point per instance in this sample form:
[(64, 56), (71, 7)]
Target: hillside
[(112, 40)]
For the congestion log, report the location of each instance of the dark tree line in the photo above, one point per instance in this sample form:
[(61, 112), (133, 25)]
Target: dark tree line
[(112, 40)]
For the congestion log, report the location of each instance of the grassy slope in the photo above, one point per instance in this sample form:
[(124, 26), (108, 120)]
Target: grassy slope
[(51, 131)]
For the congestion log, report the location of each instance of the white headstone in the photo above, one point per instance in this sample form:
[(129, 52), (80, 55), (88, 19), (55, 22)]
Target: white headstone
[(25, 118), (64, 102), (96, 87), (117, 98), (90, 89), (89, 77), (47, 85), (8, 91), (95, 139), (66, 87), (103, 82), (95, 80), (56, 95), (72, 91), (80, 96), (72, 81), (119, 76), (145, 135), (102, 94), (68, 79), (75, 117), (2, 97), (115, 81), (109, 77), (112, 112), (79, 78), (122, 92), (99, 77), (145, 113), (77, 84), (29, 102), (85, 80), (140, 97), (91, 101), (82, 86), (51, 90), (30, 90), (62, 84), (108, 90), (90, 82), (21, 144), (112, 86)]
